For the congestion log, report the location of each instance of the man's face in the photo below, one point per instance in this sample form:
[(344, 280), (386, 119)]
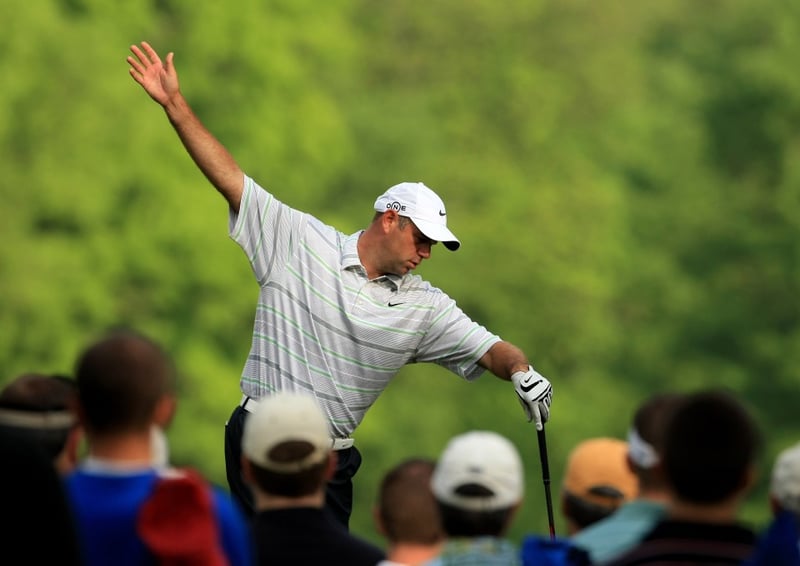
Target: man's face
[(408, 246)]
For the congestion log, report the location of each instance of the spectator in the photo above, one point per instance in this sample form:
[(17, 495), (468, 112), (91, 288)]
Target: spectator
[(38, 526), (620, 531), (287, 458), (407, 514), (779, 545), (479, 485), (130, 511), (597, 480), (710, 448), (38, 409)]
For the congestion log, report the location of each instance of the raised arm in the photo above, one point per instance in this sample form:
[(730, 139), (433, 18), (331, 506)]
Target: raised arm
[(160, 81)]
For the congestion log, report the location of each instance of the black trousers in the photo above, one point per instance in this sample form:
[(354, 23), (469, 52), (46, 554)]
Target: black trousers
[(339, 492)]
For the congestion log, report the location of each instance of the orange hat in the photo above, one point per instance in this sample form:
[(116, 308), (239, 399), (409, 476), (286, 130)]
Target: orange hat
[(597, 471)]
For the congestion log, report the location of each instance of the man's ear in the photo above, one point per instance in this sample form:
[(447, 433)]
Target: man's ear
[(72, 448), (377, 521), (165, 411), (749, 479), (389, 219), (76, 408)]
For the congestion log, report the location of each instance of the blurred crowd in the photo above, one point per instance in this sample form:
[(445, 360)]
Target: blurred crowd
[(88, 480)]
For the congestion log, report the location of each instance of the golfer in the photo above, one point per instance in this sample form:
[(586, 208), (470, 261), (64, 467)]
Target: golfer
[(337, 315)]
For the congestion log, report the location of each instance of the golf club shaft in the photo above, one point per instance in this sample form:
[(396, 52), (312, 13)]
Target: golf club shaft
[(546, 478)]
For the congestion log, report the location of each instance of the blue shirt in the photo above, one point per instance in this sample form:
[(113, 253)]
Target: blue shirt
[(106, 505), (779, 544), (478, 551), (620, 531)]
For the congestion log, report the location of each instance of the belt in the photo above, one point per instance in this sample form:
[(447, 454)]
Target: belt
[(249, 404)]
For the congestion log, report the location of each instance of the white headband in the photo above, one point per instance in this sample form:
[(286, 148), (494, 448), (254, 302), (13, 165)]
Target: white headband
[(43, 420), (640, 451)]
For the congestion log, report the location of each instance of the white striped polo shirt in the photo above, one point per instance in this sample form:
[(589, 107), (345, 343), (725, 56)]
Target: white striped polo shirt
[(322, 326)]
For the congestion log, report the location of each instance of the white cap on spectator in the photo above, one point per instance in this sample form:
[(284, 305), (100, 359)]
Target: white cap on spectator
[(785, 485), (484, 459), (285, 417)]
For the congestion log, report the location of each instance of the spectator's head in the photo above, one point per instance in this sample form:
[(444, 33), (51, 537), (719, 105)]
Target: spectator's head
[(785, 483), (479, 484), (406, 511), (38, 409), (287, 447), (646, 443), (710, 449), (597, 480), (126, 386)]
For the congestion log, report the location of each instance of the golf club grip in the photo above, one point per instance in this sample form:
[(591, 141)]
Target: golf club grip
[(546, 479)]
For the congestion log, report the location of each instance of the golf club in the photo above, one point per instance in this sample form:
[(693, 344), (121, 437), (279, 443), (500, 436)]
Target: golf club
[(546, 479)]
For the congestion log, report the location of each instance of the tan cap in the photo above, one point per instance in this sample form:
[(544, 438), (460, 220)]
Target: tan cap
[(597, 469)]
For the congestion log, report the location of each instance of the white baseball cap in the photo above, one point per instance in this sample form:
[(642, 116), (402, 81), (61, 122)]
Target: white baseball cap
[(423, 207), (285, 417), (480, 458), (785, 484)]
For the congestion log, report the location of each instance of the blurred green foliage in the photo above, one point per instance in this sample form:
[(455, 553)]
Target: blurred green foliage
[(624, 177)]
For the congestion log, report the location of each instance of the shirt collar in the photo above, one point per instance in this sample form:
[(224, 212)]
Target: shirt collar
[(351, 261)]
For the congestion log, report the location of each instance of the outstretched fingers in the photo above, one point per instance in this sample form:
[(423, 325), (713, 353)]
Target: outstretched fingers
[(151, 53), (143, 59), (138, 64)]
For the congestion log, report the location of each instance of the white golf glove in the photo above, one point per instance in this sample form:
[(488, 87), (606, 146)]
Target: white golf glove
[(535, 394)]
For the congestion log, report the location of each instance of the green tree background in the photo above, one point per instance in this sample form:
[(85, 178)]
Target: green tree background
[(624, 177)]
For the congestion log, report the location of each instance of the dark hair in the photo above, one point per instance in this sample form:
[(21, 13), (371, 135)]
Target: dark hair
[(463, 523), (460, 522), (37, 392), (711, 443), (403, 222), (407, 507), (290, 484), (51, 442), (120, 380), (650, 421), (42, 397), (583, 513)]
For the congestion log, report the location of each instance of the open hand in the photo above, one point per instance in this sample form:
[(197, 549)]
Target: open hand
[(159, 80)]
